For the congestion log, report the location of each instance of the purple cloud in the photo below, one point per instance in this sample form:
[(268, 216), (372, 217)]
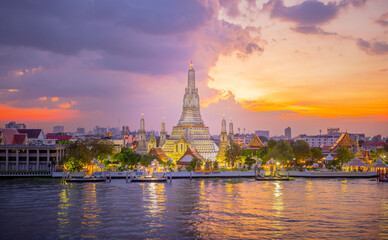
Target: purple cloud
[(373, 48), (383, 20), (101, 53), (311, 30), (309, 14)]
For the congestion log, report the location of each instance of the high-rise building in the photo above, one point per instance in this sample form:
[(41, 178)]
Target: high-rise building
[(59, 129), (14, 125), (191, 130), (81, 130), (287, 133), (263, 133)]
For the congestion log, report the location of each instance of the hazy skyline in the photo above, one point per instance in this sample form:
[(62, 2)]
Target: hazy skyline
[(267, 64)]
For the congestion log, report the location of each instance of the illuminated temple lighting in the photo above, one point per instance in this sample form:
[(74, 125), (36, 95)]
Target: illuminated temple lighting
[(191, 130)]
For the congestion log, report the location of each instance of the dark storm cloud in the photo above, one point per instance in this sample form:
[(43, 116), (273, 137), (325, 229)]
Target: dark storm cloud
[(373, 48), (309, 14)]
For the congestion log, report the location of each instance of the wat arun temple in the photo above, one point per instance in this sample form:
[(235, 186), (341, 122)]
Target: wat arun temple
[(190, 133)]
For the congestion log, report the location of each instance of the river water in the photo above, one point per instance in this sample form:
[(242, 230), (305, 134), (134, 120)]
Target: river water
[(198, 209)]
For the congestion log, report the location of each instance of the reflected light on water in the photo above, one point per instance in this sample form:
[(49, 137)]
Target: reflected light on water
[(205, 209), (384, 216), (90, 210), (155, 198), (278, 207), (63, 206)]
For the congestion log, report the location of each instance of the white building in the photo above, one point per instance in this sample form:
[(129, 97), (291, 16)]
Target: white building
[(318, 140)]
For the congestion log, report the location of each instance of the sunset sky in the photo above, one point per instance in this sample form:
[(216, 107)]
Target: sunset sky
[(267, 64)]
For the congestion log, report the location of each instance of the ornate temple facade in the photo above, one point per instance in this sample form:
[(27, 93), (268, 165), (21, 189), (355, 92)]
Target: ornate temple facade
[(191, 131)]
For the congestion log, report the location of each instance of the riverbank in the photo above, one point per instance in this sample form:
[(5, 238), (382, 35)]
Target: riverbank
[(228, 174)]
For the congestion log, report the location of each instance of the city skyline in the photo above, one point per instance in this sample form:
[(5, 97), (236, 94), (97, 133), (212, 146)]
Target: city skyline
[(267, 65)]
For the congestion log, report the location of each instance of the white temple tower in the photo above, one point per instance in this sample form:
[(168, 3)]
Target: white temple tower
[(191, 130)]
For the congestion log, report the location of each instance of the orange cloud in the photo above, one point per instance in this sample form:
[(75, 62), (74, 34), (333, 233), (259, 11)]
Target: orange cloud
[(220, 95), (67, 105), (43, 98), (54, 99), (8, 113), (13, 90)]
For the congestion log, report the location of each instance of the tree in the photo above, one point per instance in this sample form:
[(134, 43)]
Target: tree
[(301, 150), (379, 153), (282, 151), (85, 151), (344, 155), (127, 157), (233, 152), (192, 164), (249, 161), (146, 160), (73, 165), (271, 143), (316, 153)]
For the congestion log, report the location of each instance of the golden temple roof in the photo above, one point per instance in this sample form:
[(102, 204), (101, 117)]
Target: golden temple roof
[(343, 141), (255, 143), (160, 153)]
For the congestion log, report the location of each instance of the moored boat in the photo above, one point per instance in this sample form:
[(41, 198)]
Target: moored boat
[(149, 179), (271, 178), (85, 180)]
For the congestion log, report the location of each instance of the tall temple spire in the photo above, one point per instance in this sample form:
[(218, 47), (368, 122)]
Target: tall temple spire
[(162, 134), (142, 125), (191, 115), (223, 124), (142, 147), (224, 135), (191, 126), (191, 78), (231, 132)]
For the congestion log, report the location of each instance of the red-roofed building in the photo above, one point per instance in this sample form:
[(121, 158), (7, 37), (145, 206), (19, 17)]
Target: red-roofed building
[(20, 139)]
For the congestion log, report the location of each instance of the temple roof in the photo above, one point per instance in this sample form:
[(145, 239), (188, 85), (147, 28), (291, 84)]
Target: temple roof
[(255, 143), (160, 153), (356, 162), (343, 141), (191, 152)]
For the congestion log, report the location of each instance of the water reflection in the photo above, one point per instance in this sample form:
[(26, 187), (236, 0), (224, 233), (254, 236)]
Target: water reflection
[(155, 198), (63, 207), (208, 209), (384, 217)]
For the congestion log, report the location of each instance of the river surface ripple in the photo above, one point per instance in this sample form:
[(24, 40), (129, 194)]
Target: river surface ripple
[(198, 209)]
